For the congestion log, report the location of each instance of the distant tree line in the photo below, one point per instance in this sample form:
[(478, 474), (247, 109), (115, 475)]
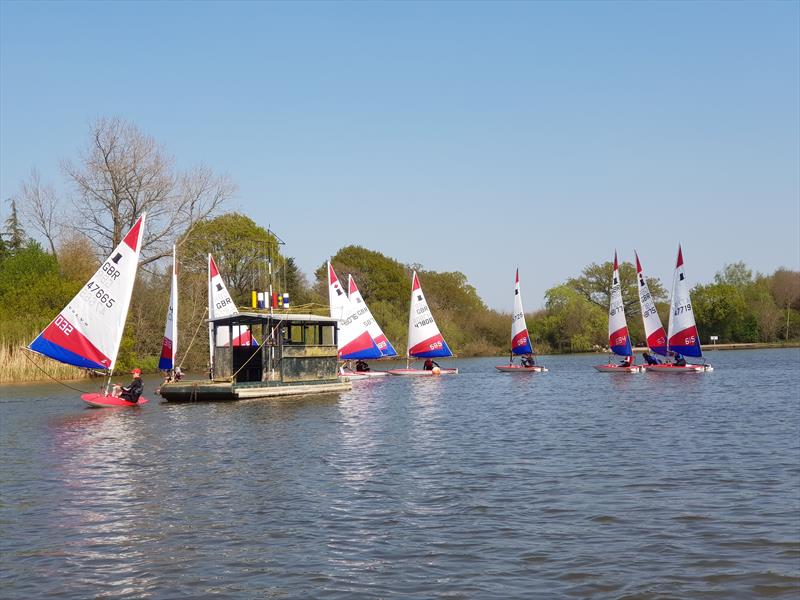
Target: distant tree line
[(45, 258)]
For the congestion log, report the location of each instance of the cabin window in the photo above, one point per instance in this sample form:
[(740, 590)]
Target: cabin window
[(327, 335), (312, 336)]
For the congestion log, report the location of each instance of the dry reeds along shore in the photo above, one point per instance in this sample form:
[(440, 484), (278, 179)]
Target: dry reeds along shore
[(19, 365)]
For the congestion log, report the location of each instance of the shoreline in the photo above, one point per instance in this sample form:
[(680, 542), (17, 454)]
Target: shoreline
[(638, 349)]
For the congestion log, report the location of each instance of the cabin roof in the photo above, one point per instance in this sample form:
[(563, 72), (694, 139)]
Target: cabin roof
[(248, 318)]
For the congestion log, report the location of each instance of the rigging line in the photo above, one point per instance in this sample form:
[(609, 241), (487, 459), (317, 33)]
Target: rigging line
[(257, 350), (25, 354), (196, 331)]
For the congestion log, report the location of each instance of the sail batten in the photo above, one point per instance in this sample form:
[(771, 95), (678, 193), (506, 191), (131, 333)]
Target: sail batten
[(88, 332)]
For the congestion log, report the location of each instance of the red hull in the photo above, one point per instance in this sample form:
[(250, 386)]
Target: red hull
[(103, 401)]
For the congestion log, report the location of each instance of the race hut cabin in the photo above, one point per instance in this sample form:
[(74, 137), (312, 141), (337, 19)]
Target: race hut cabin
[(271, 355)]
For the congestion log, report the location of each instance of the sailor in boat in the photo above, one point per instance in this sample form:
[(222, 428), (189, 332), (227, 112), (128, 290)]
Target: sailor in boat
[(362, 366), (650, 359), (527, 361), (131, 392), (430, 364), (678, 360), (626, 361)]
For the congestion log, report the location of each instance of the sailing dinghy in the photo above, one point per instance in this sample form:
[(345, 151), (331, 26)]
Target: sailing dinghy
[(353, 340), (618, 338), (169, 346), (653, 329), (220, 304), (424, 338), (682, 333), (375, 331), (88, 332), (520, 339)]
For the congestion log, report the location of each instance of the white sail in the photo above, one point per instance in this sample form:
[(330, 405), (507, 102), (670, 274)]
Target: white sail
[(424, 338), (374, 329), (618, 338), (353, 338), (653, 329), (88, 332), (220, 304), (520, 339), (169, 345), (682, 333)]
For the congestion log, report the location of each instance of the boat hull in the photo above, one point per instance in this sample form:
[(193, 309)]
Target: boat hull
[(351, 376), (364, 374), (520, 369), (619, 368), (673, 370), (102, 401), (211, 391), (421, 372)]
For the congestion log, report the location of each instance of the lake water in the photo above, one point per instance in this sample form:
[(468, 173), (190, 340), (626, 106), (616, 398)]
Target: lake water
[(569, 484)]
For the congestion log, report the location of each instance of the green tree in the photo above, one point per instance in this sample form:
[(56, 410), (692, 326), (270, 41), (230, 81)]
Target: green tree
[(736, 275), (594, 284), (720, 309), (14, 232), (240, 249), (785, 286)]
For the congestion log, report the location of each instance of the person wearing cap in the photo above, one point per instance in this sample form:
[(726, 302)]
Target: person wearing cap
[(131, 392)]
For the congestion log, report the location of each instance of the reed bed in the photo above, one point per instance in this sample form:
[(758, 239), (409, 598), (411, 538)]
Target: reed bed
[(16, 367)]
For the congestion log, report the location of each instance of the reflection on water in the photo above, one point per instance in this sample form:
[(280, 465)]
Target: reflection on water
[(565, 484)]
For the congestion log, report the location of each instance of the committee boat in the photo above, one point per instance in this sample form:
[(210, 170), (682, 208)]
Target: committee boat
[(682, 335), (297, 356), (88, 332), (424, 338), (619, 340), (520, 339)]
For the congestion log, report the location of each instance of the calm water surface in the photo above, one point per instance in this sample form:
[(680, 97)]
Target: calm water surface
[(568, 484)]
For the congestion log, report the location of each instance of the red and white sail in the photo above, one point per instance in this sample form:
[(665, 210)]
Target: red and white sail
[(682, 334), (374, 329), (520, 339), (169, 346), (353, 340), (424, 338), (619, 339), (653, 329), (88, 332), (220, 304)]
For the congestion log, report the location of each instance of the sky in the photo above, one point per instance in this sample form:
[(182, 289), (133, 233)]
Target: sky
[(463, 136)]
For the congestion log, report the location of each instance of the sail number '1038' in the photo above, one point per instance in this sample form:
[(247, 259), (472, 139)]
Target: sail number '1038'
[(99, 293)]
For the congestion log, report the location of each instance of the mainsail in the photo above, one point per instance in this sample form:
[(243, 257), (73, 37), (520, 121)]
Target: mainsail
[(353, 340), (169, 346), (520, 340), (88, 332), (424, 338), (220, 304), (682, 335), (374, 329), (653, 329), (618, 338)]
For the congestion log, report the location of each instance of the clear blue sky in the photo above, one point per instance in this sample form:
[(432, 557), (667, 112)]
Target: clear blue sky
[(463, 136)]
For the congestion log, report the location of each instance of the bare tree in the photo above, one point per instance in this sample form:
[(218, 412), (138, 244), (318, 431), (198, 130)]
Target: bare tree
[(38, 207), (123, 173), (786, 291)]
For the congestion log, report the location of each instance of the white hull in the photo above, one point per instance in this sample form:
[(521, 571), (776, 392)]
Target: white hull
[(364, 374), (422, 372), (619, 369), (673, 370), (519, 369)]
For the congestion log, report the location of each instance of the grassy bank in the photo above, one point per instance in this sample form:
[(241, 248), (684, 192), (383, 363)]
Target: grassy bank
[(20, 365)]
